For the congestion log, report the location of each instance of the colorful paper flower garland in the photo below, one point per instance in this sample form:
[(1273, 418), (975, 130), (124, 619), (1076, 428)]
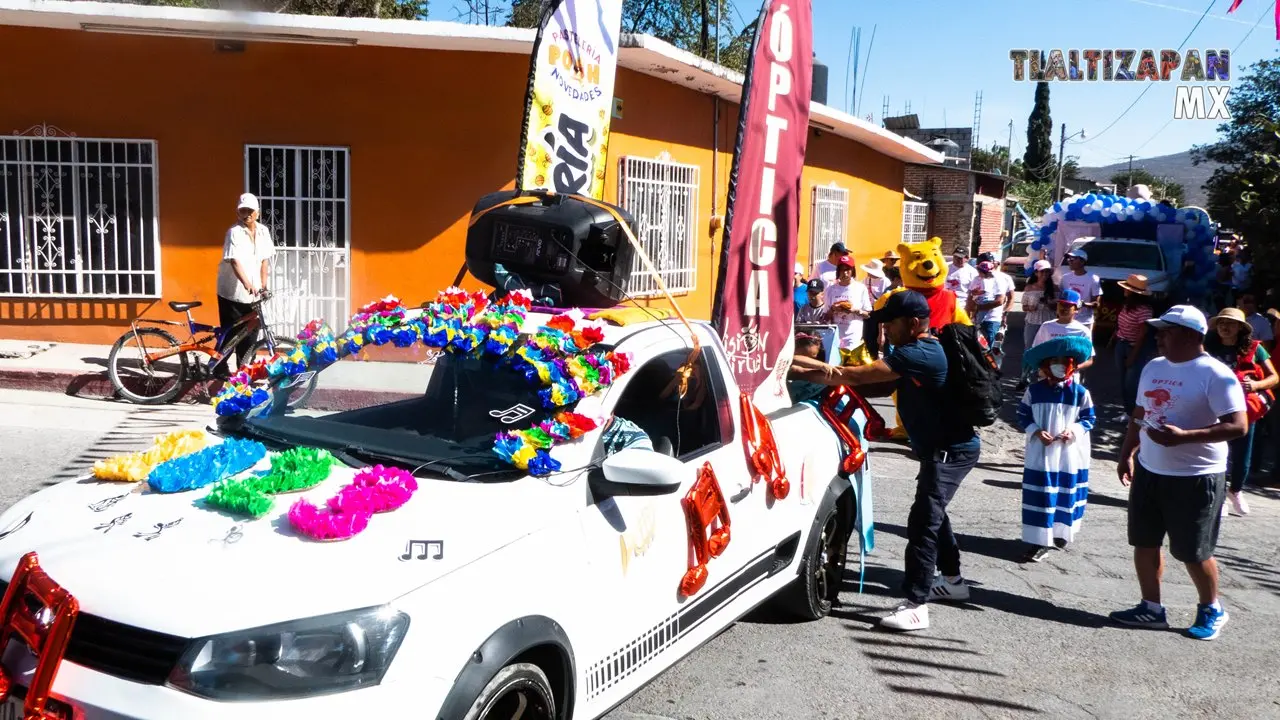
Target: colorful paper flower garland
[(374, 490), (205, 467), (135, 467), (293, 470), (556, 358), (455, 322)]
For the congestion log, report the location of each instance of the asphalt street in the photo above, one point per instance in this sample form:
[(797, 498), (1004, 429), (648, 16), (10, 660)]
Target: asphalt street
[(1034, 640)]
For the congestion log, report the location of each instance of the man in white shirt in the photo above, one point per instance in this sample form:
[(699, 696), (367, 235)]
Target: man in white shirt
[(960, 275), (849, 304), (244, 272), (986, 301), (826, 270), (1078, 278), (1189, 407)]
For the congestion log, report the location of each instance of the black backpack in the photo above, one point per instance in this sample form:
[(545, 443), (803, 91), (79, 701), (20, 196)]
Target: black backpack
[(973, 389)]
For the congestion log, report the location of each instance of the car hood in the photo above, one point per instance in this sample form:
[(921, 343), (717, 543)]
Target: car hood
[(166, 563)]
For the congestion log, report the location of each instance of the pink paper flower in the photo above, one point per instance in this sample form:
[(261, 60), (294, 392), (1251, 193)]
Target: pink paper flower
[(326, 525)]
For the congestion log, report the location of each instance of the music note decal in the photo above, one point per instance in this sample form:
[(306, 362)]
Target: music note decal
[(114, 523), (423, 547), (159, 528), (21, 524), (106, 503), (513, 414), (233, 536)]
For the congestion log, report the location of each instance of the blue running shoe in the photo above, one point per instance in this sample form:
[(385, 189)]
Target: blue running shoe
[(1141, 616), (1208, 623)]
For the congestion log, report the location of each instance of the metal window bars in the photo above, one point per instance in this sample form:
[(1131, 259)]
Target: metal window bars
[(662, 195), (305, 196), (915, 221), (830, 209), (78, 216)]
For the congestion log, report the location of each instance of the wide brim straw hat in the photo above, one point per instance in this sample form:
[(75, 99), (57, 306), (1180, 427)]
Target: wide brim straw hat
[(1136, 283), (1233, 314), (1076, 347)]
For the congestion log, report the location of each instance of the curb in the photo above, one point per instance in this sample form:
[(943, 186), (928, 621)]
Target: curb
[(97, 386)]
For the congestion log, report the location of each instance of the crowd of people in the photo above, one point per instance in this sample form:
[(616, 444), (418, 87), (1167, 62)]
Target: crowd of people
[(1193, 396)]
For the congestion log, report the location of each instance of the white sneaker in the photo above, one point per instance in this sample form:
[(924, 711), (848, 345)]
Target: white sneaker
[(943, 591), (908, 616), (1239, 505)]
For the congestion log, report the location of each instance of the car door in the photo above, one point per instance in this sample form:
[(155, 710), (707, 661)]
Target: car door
[(638, 547)]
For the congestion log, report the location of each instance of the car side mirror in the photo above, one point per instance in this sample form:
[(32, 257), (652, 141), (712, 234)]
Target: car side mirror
[(638, 472)]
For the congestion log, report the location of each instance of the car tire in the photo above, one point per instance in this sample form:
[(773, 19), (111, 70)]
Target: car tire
[(814, 592), (518, 690)]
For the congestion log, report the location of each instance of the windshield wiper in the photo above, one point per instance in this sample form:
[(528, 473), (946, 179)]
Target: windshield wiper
[(353, 454)]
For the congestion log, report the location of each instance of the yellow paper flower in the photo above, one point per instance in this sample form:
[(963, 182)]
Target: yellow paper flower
[(135, 467)]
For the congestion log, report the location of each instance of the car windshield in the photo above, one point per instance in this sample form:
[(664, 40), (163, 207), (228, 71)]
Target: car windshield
[(441, 412), (1127, 255), (1020, 250)]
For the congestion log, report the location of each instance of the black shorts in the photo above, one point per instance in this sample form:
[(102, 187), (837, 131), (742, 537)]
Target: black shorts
[(1187, 509)]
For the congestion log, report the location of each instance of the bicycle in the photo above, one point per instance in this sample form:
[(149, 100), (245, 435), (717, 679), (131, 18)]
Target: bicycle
[(166, 366)]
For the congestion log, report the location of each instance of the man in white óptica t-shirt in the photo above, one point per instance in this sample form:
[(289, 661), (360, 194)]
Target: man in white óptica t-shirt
[(1189, 407), (1079, 278), (960, 275)]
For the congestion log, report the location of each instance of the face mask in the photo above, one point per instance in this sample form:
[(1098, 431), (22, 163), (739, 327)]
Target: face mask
[(1059, 370)]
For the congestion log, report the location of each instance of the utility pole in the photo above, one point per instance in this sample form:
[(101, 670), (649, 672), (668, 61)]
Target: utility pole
[(1008, 156), (1062, 159), (1130, 174)]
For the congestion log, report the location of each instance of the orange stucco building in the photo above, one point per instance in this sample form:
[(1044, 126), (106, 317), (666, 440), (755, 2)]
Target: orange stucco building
[(134, 129)]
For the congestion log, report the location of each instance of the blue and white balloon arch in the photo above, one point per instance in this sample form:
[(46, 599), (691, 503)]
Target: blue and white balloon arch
[(1198, 229)]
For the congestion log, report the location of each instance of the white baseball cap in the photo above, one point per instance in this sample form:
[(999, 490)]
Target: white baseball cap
[(1080, 253), (1182, 316), (1042, 265), (799, 269), (249, 200)]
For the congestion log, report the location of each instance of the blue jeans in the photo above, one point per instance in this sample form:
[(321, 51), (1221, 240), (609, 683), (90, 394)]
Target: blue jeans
[(1239, 458), (1129, 376)]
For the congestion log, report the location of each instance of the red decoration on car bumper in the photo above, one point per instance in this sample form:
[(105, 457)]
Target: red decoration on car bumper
[(45, 629)]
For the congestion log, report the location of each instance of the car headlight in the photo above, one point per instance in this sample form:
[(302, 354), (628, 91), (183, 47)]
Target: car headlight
[(300, 658)]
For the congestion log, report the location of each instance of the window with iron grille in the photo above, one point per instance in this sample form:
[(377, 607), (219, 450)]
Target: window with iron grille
[(663, 197), (304, 192), (915, 221), (830, 220), (78, 216)]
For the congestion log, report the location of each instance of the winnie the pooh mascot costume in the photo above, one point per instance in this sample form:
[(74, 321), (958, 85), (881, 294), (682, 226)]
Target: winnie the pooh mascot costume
[(924, 269)]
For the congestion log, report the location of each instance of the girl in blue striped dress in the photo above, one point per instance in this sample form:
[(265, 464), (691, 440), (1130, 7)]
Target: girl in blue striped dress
[(1057, 414)]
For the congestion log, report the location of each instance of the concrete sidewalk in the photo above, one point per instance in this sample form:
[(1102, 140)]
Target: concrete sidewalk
[(81, 371)]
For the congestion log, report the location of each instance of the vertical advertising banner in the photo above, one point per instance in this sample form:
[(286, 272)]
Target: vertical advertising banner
[(565, 139), (753, 302)]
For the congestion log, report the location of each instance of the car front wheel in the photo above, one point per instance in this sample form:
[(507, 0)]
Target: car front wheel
[(518, 692), (811, 596)]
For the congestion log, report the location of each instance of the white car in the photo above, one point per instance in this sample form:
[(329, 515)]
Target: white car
[(1114, 259), (490, 590)]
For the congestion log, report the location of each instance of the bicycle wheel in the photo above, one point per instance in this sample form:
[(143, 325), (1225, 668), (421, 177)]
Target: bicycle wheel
[(301, 386), (141, 382)]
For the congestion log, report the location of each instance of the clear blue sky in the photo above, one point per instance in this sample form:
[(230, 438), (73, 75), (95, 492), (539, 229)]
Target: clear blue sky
[(937, 54)]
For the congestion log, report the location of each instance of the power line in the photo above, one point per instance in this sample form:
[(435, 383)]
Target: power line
[(1264, 15), (1149, 85), (1255, 26)]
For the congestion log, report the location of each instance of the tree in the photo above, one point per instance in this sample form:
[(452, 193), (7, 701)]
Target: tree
[(1161, 187), (1035, 197), (1244, 194), (1039, 161), (995, 160), (1071, 168), (388, 9)]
